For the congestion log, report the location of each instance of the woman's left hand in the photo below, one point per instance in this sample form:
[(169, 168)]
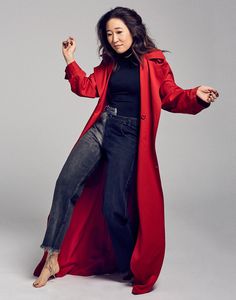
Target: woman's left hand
[(207, 93)]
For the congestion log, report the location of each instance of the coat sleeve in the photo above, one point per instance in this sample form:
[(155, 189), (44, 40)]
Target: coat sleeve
[(178, 100), (81, 85)]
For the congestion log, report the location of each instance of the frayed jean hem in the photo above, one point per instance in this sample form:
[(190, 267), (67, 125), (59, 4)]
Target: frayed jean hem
[(50, 250)]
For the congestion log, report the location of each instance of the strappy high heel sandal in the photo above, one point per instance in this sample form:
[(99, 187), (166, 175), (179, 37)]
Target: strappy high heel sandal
[(51, 269), (48, 265)]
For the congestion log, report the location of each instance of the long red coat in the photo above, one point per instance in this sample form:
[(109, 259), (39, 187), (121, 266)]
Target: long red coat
[(87, 248)]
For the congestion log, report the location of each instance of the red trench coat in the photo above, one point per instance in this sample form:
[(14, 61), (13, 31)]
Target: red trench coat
[(86, 248)]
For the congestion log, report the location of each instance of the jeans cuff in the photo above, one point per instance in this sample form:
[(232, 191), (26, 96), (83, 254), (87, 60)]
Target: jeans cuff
[(50, 250)]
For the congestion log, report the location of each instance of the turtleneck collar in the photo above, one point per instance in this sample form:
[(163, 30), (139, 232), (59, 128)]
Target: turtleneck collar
[(125, 55)]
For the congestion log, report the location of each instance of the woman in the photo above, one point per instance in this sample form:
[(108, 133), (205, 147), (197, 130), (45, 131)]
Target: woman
[(118, 222)]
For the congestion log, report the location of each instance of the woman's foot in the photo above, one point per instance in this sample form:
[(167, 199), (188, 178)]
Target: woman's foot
[(51, 267)]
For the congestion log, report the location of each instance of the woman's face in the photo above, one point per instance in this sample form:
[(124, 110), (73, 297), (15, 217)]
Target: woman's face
[(118, 35)]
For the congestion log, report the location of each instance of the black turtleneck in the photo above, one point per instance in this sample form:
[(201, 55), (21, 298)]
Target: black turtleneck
[(124, 85)]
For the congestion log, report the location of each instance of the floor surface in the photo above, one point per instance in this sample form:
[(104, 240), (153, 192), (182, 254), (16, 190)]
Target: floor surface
[(196, 266)]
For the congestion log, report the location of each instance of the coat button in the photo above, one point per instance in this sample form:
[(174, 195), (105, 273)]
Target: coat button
[(143, 117)]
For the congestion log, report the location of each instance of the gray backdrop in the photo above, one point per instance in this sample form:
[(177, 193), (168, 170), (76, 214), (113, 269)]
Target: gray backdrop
[(41, 118)]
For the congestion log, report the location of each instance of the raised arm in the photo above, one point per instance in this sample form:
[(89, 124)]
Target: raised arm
[(80, 84), (178, 100)]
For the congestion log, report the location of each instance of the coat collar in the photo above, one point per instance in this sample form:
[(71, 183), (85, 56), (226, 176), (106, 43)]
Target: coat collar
[(155, 54), (102, 74)]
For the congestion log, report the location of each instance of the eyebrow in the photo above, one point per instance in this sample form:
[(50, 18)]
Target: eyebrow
[(115, 28)]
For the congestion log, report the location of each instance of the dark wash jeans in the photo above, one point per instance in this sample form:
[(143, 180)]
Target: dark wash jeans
[(116, 137)]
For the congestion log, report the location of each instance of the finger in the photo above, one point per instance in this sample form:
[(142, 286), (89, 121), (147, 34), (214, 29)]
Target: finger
[(65, 44), (210, 89), (70, 41), (66, 41), (213, 94), (211, 97)]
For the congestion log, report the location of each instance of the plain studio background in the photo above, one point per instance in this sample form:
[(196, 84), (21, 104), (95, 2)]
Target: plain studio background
[(41, 120)]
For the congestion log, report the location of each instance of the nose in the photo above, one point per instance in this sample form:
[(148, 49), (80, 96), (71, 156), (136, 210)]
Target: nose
[(115, 38)]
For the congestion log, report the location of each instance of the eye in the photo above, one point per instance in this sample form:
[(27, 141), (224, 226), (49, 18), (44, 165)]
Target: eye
[(119, 31)]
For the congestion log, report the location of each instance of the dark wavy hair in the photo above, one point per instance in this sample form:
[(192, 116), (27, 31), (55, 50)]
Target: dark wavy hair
[(142, 43)]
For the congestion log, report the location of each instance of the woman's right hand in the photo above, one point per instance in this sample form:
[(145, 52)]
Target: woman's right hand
[(68, 49)]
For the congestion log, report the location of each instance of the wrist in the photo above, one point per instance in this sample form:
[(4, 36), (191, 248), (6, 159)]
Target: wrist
[(69, 60)]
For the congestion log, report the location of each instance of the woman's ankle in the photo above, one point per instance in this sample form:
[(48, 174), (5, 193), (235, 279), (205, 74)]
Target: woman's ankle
[(53, 255)]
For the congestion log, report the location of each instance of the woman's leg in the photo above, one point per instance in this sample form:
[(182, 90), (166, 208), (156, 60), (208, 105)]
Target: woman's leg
[(120, 144), (79, 165)]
